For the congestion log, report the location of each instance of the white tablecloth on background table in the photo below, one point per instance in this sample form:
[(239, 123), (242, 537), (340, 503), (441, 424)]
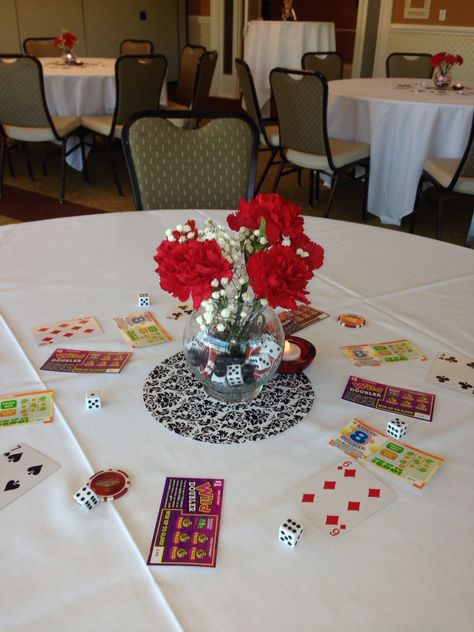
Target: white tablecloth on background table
[(409, 566), (87, 90), (405, 123), (269, 44)]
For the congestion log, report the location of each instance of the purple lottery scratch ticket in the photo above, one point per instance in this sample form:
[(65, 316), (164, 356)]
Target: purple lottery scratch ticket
[(187, 527), (390, 398)]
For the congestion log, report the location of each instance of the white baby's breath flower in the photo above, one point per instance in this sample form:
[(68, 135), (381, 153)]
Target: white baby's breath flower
[(302, 253), (216, 294), (182, 240), (179, 228), (263, 240), (220, 327), (168, 232), (200, 320), (224, 281), (171, 238), (225, 313), (264, 302), (286, 241), (214, 283), (208, 317)]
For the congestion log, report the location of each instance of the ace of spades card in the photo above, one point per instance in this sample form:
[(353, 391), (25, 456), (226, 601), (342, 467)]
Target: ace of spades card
[(21, 469), (341, 497), (454, 371)]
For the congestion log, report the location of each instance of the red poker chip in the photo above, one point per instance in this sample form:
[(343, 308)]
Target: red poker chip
[(109, 484), (351, 320)]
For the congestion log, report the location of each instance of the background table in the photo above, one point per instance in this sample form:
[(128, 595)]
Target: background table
[(408, 566), (269, 44), (405, 123), (82, 90)]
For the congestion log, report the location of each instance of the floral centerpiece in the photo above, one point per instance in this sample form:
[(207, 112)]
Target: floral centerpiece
[(233, 342), (442, 63), (66, 41)]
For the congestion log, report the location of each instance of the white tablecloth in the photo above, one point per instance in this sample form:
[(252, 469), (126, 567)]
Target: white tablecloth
[(407, 567), (405, 123), (269, 44)]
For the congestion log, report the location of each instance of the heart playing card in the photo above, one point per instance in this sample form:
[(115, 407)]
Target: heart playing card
[(21, 469), (66, 330), (454, 371), (342, 496)]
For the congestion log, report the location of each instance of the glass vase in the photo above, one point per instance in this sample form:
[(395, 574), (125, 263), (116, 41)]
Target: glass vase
[(441, 80), (234, 364), (68, 56)]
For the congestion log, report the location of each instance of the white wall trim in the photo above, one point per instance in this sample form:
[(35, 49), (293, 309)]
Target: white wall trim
[(200, 19), (432, 28)]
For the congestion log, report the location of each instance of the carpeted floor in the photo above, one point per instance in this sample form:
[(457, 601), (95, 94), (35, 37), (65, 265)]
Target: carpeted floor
[(27, 200)]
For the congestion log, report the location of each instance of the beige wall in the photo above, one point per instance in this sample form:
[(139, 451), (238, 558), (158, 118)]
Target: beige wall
[(100, 25), (458, 12)]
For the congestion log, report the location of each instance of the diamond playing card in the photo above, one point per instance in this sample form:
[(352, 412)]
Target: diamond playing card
[(66, 330), (454, 371), (21, 469), (341, 497)]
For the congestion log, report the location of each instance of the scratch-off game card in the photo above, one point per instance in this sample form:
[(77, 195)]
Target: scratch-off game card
[(390, 398), (141, 329), (26, 408), (302, 316), (77, 361), (379, 353), (187, 527)]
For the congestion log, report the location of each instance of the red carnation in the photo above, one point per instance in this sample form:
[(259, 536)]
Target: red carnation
[(282, 217), (316, 253), (437, 59), (187, 269), (459, 59), (280, 276)]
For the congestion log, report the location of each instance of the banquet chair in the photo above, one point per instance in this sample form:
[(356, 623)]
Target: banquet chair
[(136, 47), (24, 114), (451, 178), (138, 80), (409, 65), (330, 64), (208, 167), (41, 47), (301, 100), (205, 68), (188, 66), (268, 128)]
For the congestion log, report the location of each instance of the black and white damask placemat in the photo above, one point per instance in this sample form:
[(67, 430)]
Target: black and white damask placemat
[(177, 400)]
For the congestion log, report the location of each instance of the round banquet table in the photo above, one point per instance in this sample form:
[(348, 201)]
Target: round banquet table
[(405, 121), (408, 566)]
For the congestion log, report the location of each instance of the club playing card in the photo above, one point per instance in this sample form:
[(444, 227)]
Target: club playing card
[(66, 330), (21, 469), (179, 310), (454, 371), (342, 496)]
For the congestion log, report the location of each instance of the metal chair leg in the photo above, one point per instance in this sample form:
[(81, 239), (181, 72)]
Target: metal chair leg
[(418, 197), (29, 165), (85, 170), (108, 149), (335, 182), (266, 170), (439, 219), (2, 162), (62, 176), (278, 176), (470, 234), (365, 192)]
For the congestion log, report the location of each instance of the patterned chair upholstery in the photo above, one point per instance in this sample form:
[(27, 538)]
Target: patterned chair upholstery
[(210, 167), (24, 115), (136, 47), (409, 65), (139, 80), (330, 64), (451, 177), (269, 136), (301, 99), (41, 47)]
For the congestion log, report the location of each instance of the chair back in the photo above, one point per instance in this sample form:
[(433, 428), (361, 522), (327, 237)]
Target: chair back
[(205, 73), (301, 99), (187, 73), (330, 64), (136, 47), (210, 167), (466, 166), (22, 99), (41, 47), (247, 87), (410, 65), (139, 81)]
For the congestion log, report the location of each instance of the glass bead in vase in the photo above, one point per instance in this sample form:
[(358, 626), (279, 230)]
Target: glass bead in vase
[(234, 361), (68, 56), (441, 80)]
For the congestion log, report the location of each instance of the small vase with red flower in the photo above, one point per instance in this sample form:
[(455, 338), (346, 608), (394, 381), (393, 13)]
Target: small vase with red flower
[(442, 63), (66, 41)]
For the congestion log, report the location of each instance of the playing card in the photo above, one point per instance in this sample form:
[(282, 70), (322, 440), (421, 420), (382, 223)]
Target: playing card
[(66, 330), (454, 371), (179, 310), (21, 468), (342, 496)]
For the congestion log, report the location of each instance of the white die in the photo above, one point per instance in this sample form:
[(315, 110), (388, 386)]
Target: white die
[(93, 400), (86, 498), (260, 361), (397, 428), (143, 299), (270, 346), (234, 374), (219, 379), (290, 532)]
